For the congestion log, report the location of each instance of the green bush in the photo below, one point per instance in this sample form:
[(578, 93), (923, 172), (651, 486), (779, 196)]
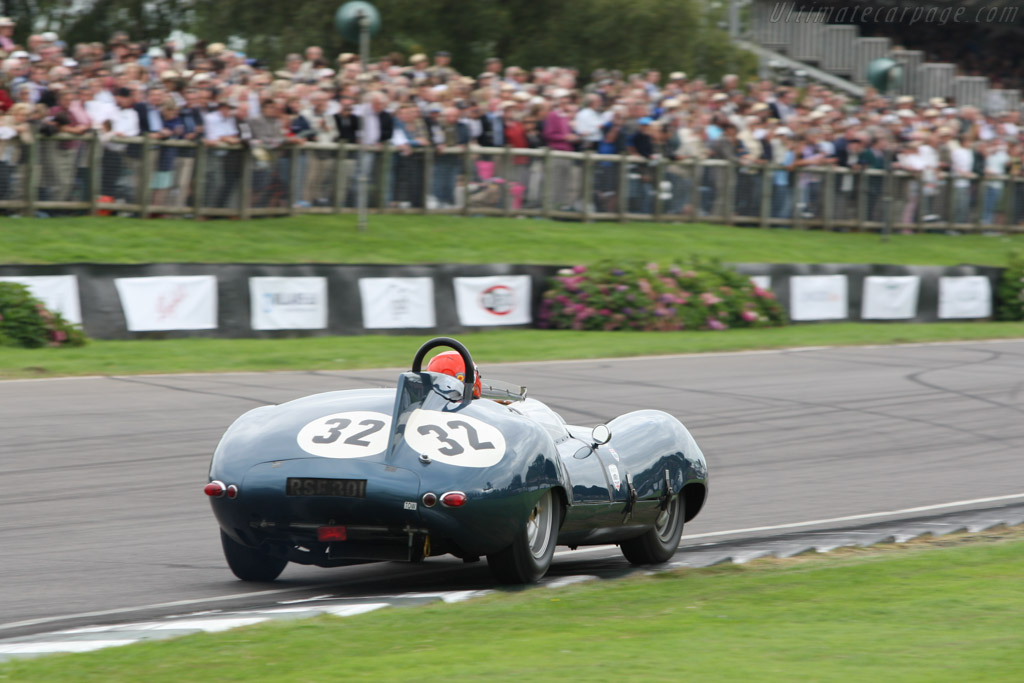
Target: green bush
[(1010, 295), (25, 321), (699, 295)]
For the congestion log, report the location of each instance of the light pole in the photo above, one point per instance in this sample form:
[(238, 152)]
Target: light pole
[(357, 21)]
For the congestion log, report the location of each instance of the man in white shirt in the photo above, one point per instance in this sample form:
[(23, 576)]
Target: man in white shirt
[(222, 165), (962, 167), (100, 106), (588, 121), (119, 173)]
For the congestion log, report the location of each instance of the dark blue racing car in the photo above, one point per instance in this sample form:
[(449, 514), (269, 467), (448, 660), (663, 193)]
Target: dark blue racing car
[(440, 465)]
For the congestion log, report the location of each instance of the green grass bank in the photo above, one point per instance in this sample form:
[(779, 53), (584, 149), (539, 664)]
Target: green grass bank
[(949, 609)]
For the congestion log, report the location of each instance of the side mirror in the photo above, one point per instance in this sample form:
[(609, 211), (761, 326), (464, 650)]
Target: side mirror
[(601, 435)]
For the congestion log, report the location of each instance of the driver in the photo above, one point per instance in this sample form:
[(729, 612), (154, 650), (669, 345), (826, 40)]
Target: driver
[(450, 363)]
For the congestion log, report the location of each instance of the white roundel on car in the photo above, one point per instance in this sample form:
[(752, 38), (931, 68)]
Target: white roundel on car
[(355, 434), (455, 439)]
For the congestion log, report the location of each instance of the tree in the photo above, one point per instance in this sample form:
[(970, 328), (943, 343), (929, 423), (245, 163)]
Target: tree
[(667, 35)]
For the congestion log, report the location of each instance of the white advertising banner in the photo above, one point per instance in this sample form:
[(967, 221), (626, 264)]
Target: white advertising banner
[(59, 293), (969, 296), (172, 302), (818, 297), (494, 300), (762, 281), (397, 302), (890, 297), (288, 303)]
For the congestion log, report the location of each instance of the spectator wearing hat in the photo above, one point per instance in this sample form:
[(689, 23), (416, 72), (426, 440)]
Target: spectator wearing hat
[(493, 65), (442, 70), (7, 34), (418, 69)]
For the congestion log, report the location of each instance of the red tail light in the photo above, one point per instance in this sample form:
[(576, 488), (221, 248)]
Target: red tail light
[(453, 499), (331, 533), (429, 499), (215, 489), (232, 491)]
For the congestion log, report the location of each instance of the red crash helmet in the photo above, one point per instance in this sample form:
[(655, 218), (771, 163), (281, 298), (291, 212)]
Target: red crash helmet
[(450, 363)]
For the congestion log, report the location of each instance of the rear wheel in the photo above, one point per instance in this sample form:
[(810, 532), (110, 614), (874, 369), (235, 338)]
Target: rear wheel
[(529, 556), (250, 564), (660, 543)]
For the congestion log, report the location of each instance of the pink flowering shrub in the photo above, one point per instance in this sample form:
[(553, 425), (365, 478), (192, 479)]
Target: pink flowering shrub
[(700, 295), (25, 321), (1010, 295)]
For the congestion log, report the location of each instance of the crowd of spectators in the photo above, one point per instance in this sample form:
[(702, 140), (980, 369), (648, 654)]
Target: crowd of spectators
[(214, 95)]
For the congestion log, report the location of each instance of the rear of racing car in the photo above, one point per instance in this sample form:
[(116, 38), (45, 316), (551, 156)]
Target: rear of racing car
[(369, 475)]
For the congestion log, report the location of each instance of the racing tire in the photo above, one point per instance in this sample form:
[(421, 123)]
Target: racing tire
[(659, 543), (530, 555), (250, 564)]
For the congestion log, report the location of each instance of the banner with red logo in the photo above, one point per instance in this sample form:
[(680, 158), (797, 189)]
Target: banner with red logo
[(495, 300), (59, 293), (173, 302)]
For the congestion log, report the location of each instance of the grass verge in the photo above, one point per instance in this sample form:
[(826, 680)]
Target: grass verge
[(491, 346), (457, 239), (948, 609)]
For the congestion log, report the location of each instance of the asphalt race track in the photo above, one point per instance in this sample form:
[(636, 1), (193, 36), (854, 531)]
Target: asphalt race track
[(103, 519)]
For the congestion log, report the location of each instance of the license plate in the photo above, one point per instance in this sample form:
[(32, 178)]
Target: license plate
[(309, 486)]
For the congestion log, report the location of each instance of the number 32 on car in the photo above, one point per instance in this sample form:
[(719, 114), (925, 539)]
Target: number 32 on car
[(457, 440), (355, 434)]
